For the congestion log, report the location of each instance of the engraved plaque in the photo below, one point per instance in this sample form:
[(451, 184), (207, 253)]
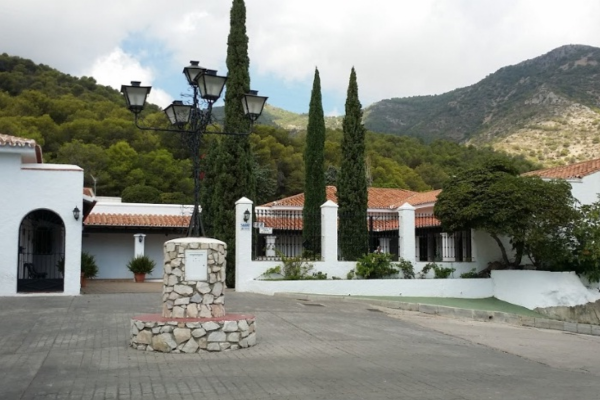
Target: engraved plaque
[(196, 265)]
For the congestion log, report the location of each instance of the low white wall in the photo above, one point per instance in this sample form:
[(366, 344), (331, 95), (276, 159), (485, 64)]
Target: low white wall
[(462, 288), (533, 289), (248, 280)]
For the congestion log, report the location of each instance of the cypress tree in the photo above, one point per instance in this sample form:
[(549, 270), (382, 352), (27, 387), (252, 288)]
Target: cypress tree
[(314, 180), (352, 179), (235, 160)]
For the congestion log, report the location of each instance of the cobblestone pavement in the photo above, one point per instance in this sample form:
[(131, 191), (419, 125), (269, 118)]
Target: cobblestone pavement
[(76, 348)]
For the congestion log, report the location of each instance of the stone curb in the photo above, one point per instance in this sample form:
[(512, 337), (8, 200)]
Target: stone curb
[(461, 313)]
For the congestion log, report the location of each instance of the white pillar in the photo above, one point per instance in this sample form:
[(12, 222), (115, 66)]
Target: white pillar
[(243, 242), (329, 233), (406, 240), (447, 247), (270, 250), (473, 245), (139, 244)]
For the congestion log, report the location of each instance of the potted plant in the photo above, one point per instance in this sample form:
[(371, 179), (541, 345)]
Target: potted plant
[(89, 269), (140, 266), (60, 265)]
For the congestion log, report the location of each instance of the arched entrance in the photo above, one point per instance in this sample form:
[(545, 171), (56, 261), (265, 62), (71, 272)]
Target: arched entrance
[(41, 253)]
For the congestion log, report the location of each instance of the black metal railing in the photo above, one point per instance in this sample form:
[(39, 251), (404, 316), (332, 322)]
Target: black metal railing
[(280, 233)]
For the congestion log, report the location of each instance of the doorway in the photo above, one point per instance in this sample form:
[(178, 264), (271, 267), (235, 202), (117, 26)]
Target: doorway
[(40, 265)]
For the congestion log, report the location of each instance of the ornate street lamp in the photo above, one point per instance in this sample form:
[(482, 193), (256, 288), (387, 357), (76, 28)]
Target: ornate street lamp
[(191, 120)]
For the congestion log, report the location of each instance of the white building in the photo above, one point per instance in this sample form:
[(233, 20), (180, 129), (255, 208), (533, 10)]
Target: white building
[(584, 178), (115, 232), (38, 225)]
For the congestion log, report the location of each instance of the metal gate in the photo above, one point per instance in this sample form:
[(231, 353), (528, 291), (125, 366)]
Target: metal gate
[(41, 252)]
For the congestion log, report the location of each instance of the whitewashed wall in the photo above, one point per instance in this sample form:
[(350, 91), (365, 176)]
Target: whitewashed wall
[(586, 190), (533, 289), (460, 288), (113, 251), (28, 187)]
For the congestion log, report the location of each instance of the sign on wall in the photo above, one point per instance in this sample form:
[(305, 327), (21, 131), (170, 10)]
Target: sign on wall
[(196, 265)]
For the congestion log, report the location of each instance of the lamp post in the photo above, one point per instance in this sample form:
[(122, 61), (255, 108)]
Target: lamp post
[(191, 120)]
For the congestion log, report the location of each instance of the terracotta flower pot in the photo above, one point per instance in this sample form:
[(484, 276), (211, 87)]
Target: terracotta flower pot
[(139, 277)]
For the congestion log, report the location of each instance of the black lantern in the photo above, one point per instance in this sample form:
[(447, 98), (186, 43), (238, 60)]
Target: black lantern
[(246, 216), (76, 213), (191, 73), (178, 113), (135, 96), (210, 85), (253, 104)]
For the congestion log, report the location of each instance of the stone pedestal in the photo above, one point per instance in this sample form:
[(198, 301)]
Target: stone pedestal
[(194, 278), (193, 315)]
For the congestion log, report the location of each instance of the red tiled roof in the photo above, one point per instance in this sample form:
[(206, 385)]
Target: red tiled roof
[(424, 197), (138, 220), (573, 171), (14, 141), (379, 198)]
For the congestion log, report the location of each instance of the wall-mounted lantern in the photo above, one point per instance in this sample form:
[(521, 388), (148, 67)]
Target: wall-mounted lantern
[(76, 213)]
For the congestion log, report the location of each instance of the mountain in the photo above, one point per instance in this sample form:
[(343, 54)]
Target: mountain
[(546, 109)]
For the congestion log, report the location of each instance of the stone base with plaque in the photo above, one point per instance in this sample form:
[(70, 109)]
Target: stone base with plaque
[(193, 315)]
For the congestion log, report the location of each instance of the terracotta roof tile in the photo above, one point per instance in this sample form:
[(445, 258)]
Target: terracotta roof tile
[(424, 197), (379, 198), (14, 141), (137, 220), (573, 171)]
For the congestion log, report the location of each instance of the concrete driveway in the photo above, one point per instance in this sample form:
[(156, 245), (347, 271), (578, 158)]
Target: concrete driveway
[(76, 348)]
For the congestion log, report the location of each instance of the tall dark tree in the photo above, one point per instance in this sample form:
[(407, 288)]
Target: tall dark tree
[(352, 180), (235, 162), (314, 181)]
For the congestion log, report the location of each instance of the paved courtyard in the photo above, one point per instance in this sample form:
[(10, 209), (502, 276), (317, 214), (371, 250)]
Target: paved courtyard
[(76, 348)]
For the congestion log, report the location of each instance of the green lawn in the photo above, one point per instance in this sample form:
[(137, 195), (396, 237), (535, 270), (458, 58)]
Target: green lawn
[(487, 304)]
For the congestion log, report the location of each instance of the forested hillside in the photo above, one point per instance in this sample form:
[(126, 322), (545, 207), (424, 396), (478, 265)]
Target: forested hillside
[(77, 121)]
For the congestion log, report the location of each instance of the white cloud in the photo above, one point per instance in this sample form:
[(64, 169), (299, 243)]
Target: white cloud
[(399, 47), (118, 68)]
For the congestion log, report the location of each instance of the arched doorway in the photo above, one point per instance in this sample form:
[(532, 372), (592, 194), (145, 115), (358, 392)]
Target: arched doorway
[(41, 253)]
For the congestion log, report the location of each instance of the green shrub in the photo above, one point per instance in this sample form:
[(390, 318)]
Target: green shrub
[(141, 265), (60, 265), (471, 274), (439, 272), (294, 269), (89, 269), (408, 271), (375, 266)]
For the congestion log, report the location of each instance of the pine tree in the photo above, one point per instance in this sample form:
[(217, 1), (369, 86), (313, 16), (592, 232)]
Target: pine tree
[(314, 181), (235, 160), (352, 180)]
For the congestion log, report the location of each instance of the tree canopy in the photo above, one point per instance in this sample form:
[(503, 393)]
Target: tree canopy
[(314, 175), (352, 180), (494, 198)]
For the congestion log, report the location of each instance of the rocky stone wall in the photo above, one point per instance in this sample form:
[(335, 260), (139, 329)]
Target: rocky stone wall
[(218, 334), (192, 298)]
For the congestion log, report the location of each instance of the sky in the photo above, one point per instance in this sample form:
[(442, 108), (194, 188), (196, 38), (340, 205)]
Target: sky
[(399, 48)]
